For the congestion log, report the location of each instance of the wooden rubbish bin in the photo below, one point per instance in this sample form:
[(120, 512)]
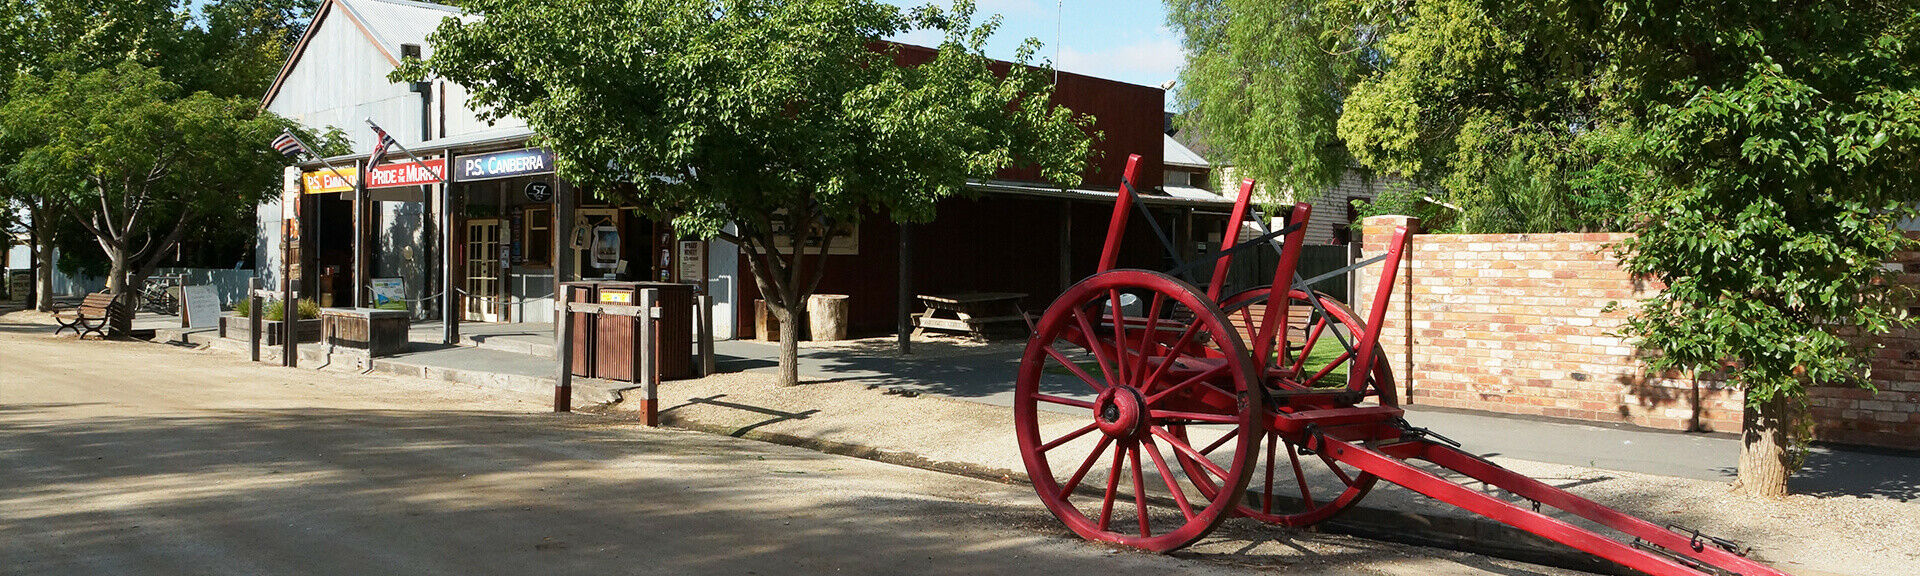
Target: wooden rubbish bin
[(616, 340), (583, 325)]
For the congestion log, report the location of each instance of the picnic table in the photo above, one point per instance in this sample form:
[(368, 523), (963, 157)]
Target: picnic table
[(980, 314)]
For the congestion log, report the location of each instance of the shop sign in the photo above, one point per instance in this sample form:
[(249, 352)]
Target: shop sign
[(407, 174), (503, 165), (324, 180)]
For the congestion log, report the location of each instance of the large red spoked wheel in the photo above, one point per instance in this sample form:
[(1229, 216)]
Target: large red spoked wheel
[(1291, 486), (1096, 399)]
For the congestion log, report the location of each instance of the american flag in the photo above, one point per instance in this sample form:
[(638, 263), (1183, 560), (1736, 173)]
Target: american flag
[(288, 145), (380, 149)]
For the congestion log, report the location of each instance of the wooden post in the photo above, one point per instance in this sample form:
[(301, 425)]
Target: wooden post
[(705, 312), (451, 303), (360, 234), (905, 297), (647, 370), (289, 305), (254, 310), (1066, 244), (563, 386)]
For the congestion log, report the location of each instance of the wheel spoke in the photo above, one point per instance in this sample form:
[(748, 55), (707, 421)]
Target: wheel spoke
[(1172, 354), (1183, 448), (1113, 488), (1119, 336), (1166, 476), (1094, 345), (1068, 438), (1146, 339), (1076, 369), (1306, 494), (1139, 489), (1231, 434), (1313, 337), (1200, 378), (1328, 369), (1085, 467), (1266, 502), (1064, 401), (1344, 479)]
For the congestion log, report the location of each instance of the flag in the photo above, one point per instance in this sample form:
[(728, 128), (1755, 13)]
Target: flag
[(288, 145), (380, 149)]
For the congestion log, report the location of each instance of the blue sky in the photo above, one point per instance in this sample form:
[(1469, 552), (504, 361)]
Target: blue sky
[(1125, 40)]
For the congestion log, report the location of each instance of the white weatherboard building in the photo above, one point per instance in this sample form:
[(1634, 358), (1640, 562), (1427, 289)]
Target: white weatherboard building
[(499, 233)]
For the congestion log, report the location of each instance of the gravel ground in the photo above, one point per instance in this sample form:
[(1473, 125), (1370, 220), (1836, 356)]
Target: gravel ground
[(1800, 534)]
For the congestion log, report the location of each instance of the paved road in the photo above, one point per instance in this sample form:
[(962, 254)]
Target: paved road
[(135, 458)]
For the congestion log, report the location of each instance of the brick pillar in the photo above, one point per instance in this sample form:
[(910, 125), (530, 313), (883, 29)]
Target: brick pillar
[(1396, 337)]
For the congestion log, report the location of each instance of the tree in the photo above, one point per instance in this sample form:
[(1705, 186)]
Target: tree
[(1778, 146), (227, 47), (135, 162), (1762, 152), (764, 115), (1264, 82), (1475, 112)]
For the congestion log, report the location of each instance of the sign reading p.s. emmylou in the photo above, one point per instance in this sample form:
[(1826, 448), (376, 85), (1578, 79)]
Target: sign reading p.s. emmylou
[(329, 180), (502, 164), (407, 174)]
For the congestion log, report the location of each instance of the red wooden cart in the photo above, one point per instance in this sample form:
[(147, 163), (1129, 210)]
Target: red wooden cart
[(1148, 411)]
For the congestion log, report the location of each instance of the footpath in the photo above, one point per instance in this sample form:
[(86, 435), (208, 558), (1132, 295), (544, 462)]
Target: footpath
[(946, 407)]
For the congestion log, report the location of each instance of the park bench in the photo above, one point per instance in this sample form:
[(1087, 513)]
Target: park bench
[(94, 314)]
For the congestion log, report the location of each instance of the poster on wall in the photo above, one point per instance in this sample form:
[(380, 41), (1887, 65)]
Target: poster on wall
[(693, 261), (389, 294), (517, 218)]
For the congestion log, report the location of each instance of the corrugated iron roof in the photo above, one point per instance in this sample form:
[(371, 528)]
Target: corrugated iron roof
[(396, 22), (1173, 153)]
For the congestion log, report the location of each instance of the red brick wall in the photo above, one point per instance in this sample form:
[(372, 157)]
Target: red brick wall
[(1519, 324)]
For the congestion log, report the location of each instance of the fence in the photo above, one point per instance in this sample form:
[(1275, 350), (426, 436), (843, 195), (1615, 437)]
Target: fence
[(230, 284), (1519, 323)]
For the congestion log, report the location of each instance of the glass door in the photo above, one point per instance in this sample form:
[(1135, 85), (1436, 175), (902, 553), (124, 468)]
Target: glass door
[(483, 271)]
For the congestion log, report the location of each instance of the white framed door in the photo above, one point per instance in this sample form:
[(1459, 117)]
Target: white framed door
[(484, 303)]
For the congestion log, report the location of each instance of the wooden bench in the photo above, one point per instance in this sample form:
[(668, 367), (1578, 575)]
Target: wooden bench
[(94, 314)]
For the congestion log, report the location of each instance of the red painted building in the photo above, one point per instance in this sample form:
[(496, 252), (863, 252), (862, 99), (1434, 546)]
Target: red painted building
[(1018, 233)]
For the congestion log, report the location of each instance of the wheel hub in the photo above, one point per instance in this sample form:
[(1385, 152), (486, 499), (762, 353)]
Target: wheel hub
[(1120, 412)]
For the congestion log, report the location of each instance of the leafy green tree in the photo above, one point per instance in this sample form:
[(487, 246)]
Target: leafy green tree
[(1765, 151), (135, 162), (769, 116), (1779, 146), (1295, 91), (227, 47)]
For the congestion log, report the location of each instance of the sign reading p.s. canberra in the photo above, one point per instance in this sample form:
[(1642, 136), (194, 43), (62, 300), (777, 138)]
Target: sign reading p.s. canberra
[(502, 165)]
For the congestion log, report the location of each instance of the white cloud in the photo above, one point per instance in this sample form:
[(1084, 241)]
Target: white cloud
[(1149, 61)]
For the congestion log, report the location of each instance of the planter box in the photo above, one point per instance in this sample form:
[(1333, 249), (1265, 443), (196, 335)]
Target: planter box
[(235, 327)]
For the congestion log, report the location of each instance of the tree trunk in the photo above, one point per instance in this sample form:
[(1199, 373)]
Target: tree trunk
[(790, 317), (122, 293), (42, 256), (1766, 432)]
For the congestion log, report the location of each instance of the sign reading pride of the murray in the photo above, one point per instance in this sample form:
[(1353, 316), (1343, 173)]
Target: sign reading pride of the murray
[(406, 174), (503, 165)]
